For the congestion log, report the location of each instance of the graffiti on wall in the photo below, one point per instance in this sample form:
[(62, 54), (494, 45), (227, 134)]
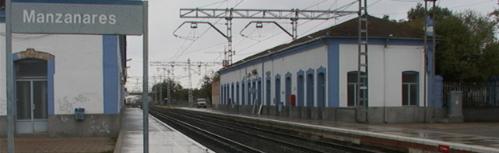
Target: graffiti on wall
[(68, 104)]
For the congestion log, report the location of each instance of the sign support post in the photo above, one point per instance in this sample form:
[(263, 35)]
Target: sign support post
[(9, 78), (145, 78)]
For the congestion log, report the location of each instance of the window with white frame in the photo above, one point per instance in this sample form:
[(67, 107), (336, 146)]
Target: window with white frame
[(410, 88), (351, 88)]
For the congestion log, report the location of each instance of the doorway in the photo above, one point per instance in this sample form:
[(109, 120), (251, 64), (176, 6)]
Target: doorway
[(31, 96)]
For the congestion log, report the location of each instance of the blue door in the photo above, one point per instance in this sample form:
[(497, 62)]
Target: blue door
[(31, 96)]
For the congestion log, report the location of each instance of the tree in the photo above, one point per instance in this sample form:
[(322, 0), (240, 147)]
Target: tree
[(205, 90), (178, 92), (466, 48)]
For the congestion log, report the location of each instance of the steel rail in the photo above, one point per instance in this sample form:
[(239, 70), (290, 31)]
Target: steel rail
[(209, 135), (348, 148), (276, 140)]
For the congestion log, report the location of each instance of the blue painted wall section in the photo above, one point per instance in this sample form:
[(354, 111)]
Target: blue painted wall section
[(111, 73), (333, 66), (50, 85), (438, 90)]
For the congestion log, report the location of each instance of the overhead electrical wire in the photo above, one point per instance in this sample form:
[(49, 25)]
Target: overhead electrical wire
[(180, 53), (472, 4), (213, 3), (278, 33)]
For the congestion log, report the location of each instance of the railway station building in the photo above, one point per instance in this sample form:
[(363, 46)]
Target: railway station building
[(315, 76), (65, 85)]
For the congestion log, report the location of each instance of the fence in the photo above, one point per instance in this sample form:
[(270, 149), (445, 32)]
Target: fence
[(475, 94)]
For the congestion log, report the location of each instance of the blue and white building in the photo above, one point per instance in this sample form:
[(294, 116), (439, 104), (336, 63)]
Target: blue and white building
[(56, 74), (315, 76)]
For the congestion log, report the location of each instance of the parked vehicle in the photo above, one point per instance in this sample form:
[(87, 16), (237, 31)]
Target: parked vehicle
[(201, 103)]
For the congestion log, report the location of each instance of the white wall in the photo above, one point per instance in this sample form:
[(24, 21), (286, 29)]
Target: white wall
[(311, 58), (386, 65), (78, 79)]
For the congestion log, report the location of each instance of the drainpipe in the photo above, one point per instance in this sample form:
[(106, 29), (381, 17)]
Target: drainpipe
[(384, 81), (425, 62), (262, 89)]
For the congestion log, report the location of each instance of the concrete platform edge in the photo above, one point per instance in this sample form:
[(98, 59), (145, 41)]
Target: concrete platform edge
[(119, 141), (186, 137), (121, 136), (428, 142)]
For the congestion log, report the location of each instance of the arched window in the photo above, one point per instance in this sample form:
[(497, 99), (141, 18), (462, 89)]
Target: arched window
[(236, 100), (278, 90), (253, 93), (31, 68), (231, 99), (310, 88), (267, 91), (243, 93), (222, 94), (31, 89), (300, 81), (287, 88), (410, 88), (259, 92), (248, 89)]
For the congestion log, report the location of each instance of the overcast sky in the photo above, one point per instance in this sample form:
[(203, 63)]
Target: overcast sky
[(205, 45)]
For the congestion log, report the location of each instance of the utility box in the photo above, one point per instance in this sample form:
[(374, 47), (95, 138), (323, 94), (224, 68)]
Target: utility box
[(455, 104), (79, 114)]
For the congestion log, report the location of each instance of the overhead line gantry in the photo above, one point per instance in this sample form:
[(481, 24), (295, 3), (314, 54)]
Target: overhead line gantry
[(268, 14), (361, 100)]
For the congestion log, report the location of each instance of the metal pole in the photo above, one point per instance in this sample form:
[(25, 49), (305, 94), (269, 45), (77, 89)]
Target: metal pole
[(190, 82), (229, 39), (9, 79), (160, 99), (145, 77), (366, 102), (425, 60), (434, 49), (168, 89)]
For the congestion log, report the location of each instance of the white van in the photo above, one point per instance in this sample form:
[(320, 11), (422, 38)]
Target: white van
[(201, 103)]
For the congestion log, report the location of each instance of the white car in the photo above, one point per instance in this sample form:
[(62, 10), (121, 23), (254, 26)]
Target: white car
[(201, 103)]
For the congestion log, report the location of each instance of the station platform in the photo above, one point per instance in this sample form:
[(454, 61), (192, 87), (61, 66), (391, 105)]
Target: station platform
[(162, 138), (420, 137)]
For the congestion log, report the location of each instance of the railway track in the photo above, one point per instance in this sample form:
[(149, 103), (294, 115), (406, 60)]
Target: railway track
[(225, 135)]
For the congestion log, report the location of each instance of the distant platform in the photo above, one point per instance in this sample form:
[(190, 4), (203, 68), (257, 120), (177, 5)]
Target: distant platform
[(467, 137), (162, 138)]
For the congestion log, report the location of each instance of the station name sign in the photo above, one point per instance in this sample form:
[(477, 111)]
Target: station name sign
[(77, 18), (30, 16)]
